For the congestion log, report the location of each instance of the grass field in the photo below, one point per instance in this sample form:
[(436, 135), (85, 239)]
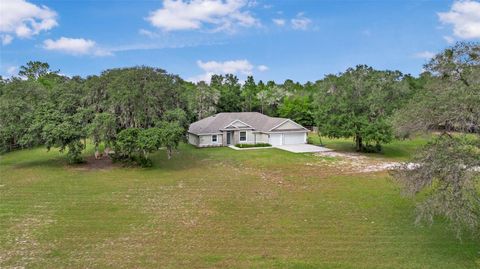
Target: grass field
[(399, 150), (215, 208)]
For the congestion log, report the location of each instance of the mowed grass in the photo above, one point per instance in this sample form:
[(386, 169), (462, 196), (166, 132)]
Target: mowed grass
[(400, 150), (213, 208)]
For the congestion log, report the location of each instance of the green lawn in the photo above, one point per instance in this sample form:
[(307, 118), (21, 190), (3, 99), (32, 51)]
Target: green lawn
[(215, 208), (397, 150)]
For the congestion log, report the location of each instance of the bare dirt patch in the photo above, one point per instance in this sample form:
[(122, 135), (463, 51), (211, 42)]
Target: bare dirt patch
[(96, 164), (355, 162)]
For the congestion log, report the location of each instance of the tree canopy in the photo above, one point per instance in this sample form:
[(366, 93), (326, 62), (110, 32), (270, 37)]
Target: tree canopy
[(61, 112), (358, 104), (446, 172), (41, 107)]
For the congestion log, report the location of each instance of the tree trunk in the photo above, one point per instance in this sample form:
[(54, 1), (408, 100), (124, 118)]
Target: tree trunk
[(97, 153), (358, 143), (319, 136)]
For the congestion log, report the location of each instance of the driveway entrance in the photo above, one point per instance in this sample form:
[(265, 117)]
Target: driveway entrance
[(302, 148)]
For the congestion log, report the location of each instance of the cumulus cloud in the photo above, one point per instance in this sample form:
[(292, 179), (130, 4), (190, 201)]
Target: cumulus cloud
[(75, 46), (424, 55), (279, 22), (464, 16), (243, 67), (217, 15), (262, 68), (24, 19), (6, 39), (300, 22), (12, 70), (236, 67)]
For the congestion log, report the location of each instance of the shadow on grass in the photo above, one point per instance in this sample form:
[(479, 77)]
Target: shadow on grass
[(58, 162), (184, 159), (34, 157), (187, 157)]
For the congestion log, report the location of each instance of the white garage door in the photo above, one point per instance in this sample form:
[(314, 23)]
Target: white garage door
[(275, 139), (293, 138)]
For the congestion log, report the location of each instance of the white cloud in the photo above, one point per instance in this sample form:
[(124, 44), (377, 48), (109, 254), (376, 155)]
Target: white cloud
[(300, 22), (465, 18), (424, 55), (227, 67), (449, 39), (203, 77), (262, 68), (236, 67), (24, 19), (279, 22), (252, 3), (12, 70), (148, 33), (217, 15), (75, 46), (6, 39)]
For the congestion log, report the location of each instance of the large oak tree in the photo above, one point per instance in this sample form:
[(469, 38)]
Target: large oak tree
[(358, 104)]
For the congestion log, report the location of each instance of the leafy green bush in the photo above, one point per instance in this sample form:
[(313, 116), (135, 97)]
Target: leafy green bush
[(314, 140), (74, 154), (135, 145), (258, 145)]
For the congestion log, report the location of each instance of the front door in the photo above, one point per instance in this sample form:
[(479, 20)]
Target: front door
[(229, 137)]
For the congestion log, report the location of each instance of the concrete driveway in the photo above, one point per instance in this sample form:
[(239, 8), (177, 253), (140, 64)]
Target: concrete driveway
[(302, 148)]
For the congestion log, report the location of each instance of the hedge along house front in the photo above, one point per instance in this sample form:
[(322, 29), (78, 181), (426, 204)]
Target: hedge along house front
[(225, 129)]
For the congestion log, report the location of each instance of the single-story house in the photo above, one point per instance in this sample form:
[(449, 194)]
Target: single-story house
[(225, 129)]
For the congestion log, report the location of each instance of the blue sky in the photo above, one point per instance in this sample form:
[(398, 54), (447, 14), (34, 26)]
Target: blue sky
[(273, 40)]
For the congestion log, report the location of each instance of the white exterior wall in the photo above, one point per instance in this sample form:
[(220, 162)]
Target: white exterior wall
[(193, 139), (261, 138), (206, 141), (250, 137), (280, 138)]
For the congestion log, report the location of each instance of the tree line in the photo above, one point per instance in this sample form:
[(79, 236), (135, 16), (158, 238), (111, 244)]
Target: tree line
[(40, 106), (135, 111)]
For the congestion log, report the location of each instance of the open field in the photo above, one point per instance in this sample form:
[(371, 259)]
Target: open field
[(216, 208)]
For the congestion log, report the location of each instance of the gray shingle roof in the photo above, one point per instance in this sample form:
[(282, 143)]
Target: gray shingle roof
[(215, 123)]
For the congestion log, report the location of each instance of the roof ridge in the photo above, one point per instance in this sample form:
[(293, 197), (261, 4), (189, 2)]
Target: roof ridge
[(256, 120)]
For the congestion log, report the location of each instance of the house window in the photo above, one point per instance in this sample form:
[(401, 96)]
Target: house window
[(214, 138), (243, 136)]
